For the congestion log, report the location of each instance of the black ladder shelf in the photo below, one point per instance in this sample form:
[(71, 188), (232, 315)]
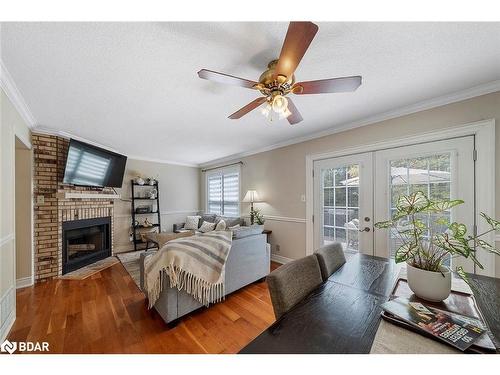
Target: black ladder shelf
[(136, 228)]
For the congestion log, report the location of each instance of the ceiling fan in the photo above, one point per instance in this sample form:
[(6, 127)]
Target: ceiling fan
[(279, 80)]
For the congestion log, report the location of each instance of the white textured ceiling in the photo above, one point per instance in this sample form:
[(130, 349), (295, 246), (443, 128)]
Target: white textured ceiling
[(134, 87)]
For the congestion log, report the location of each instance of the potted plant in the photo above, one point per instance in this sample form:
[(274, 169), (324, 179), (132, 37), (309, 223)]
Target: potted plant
[(425, 247), (256, 217)]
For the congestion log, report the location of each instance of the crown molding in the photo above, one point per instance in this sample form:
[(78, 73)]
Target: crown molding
[(14, 95), (68, 135), (458, 96), (164, 161)]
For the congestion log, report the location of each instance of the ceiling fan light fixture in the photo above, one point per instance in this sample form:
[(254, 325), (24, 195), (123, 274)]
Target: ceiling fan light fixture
[(266, 109), (280, 103), (285, 114)]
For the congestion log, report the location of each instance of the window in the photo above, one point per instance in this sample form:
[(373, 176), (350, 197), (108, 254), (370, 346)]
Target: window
[(223, 191)]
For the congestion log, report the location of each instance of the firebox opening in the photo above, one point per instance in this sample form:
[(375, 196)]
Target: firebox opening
[(85, 242)]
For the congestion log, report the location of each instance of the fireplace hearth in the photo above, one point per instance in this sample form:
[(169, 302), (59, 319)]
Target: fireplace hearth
[(85, 242)]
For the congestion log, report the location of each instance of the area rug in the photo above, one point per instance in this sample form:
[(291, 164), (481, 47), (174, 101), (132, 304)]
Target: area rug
[(91, 269), (131, 263)]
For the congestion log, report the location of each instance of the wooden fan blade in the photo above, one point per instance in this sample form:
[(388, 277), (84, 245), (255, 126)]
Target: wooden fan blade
[(249, 107), (298, 38), (295, 117), (323, 86), (226, 79)]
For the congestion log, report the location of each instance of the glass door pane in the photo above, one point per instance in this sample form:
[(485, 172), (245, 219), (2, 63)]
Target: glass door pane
[(428, 174), (339, 205)]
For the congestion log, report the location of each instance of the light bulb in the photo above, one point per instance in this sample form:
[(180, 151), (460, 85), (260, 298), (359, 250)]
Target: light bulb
[(265, 110), (280, 104), (285, 114)]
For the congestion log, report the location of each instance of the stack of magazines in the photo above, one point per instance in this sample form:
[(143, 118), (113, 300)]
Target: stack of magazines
[(453, 329)]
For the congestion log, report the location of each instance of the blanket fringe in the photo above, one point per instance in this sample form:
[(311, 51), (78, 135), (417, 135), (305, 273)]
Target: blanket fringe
[(201, 290)]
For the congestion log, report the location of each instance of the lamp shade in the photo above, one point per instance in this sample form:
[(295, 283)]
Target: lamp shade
[(251, 196)]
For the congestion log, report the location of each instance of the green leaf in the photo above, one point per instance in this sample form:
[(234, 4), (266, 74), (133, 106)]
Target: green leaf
[(458, 230), (405, 252), (452, 245), (440, 206), (495, 224), (399, 215), (384, 224), (460, 271), (415, 202), (485, 245), (474, 259), (443, 221)]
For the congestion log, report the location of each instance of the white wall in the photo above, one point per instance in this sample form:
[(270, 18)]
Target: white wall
[(11, 126), (179, 196), (279, 175)]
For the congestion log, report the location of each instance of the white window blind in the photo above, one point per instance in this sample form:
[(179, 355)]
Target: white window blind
[(223, 192)]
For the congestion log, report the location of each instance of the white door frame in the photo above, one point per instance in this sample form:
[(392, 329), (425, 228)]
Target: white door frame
[(484, 132)]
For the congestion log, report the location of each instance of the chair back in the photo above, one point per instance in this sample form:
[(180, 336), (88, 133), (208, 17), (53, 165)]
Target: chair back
[(330, 258), (290, 283)]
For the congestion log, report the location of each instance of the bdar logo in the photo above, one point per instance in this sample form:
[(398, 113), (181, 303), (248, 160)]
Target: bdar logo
[(9, 347)]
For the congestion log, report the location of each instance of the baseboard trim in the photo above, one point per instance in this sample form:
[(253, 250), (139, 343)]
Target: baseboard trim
[(280, 259), (24, 282)]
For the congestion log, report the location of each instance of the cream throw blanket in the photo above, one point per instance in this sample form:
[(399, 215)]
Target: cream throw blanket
[(195, 264)]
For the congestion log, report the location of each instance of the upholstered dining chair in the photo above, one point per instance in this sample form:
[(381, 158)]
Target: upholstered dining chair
[(293, 281), (330, 258)]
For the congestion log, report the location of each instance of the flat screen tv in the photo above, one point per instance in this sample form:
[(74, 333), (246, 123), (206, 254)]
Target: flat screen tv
[(89, 165)]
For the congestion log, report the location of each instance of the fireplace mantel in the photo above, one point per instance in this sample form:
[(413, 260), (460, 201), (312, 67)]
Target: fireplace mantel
[(77, 195)]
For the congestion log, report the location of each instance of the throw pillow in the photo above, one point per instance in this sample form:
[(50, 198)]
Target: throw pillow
[(207, 227), (221, 225), (192, 222)]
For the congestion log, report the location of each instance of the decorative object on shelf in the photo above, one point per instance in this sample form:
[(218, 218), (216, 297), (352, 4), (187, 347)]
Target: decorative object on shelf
[(426, 246), (139, 180), (144, 209), (147, 223), (152, 194), (152, 181), (252, 197)]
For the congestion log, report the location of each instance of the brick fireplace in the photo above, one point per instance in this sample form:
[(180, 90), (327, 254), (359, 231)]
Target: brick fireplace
[(53, 207)]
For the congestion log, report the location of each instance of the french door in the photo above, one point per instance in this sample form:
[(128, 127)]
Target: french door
[(353, 192), (343, 202)]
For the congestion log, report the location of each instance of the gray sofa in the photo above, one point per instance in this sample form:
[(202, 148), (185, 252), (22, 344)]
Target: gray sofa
[(212, 218), (248, 261)]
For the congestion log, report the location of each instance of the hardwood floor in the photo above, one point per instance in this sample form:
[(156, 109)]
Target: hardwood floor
[(107, 313)]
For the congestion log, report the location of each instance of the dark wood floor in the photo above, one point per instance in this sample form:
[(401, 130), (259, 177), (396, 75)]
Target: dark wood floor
[(107, 313)]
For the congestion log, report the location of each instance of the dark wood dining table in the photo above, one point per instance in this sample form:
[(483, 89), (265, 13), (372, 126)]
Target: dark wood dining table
[(343, 314)]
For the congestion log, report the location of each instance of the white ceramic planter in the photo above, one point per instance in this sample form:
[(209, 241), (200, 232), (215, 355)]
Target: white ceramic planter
[(429, 285)]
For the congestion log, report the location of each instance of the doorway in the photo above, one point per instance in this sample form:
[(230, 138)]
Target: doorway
[(353, 192), (23, 217)]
